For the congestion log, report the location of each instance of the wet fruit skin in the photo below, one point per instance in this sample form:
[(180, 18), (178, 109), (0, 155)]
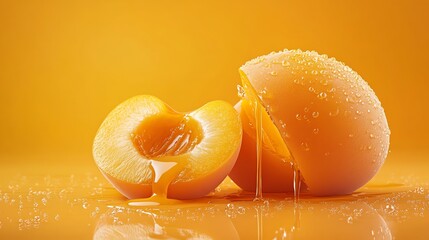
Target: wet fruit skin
[(330, 119), (205, 165)]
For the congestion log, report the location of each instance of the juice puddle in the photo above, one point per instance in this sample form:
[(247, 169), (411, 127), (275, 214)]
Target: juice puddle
[(327, 219), (79, 203)]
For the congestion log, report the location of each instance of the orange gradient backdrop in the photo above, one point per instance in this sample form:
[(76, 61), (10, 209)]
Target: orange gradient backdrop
[(65, 64)]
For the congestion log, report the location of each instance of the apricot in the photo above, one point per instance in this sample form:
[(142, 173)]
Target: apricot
[(145, 147), (277, 170), (328, 117)]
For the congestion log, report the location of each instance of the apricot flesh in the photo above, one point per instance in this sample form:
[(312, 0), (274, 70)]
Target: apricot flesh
[(277, 170), (142, 129), (328, 116)]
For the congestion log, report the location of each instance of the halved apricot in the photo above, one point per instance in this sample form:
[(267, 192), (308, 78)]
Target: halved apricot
[(145, 147), (328, 117)]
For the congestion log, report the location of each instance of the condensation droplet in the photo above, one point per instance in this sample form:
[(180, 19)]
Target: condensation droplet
[(240, 91), (315, 114), (316, 131), (305, 146), (321, 95), (241, 210), (285, 63), (390, 208), (282, 124), (371, 135), (351, 135), (273, 73), (298, 117), (333, 114), (324, 82)]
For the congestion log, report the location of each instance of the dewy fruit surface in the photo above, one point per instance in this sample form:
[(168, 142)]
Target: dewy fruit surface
[(145, 147), (330, 119)]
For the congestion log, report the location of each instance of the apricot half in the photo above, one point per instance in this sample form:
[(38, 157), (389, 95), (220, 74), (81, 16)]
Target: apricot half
[(198, 148), (328, 117)]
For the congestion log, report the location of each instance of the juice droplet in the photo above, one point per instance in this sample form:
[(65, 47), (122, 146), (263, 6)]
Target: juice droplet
[(164, 174)]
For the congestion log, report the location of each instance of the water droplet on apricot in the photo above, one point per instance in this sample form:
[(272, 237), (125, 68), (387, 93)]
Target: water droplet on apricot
[(240, 91), (285, 63), (305, 146), (321, 95), (315, 114)]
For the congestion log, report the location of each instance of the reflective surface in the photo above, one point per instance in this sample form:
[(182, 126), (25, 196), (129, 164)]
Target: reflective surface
[(68, 201)]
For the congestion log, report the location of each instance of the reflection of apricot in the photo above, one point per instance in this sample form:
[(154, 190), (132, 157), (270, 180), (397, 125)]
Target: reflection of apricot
[(142, 130), (330, 119), (164, 223), (311, 220)]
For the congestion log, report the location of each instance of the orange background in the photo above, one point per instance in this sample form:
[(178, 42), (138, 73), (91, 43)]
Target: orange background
[(65, 64)]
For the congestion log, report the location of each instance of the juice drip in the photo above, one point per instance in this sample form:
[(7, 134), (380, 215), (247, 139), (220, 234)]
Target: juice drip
[(163, 138), (258, 121), (296, 182), (267, 133), (164, 173), (296, 191)]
